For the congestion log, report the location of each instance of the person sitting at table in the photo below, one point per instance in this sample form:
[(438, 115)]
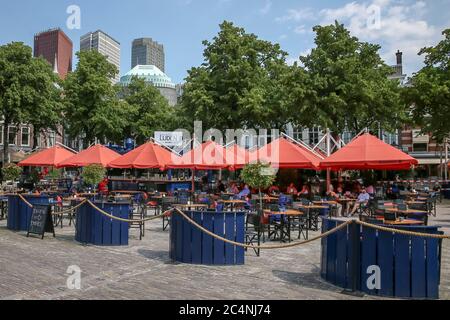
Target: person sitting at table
[(220, 186), (304, 192), (370, 190), (336, 196), (291, 190), (273, 190), (233, 189), (244, 193), (363, 199), (103, 186)]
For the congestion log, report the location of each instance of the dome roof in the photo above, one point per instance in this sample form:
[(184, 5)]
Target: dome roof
[(150, 74)]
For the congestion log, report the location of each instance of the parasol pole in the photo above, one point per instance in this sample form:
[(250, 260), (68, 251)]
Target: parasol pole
[(328, 154)]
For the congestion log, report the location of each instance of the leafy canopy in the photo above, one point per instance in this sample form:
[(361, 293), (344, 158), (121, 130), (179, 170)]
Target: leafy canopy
[(92, 107), (429, 93), (241, 84), (93, 174), (149, 111), (350, 85), (258, 175), (28, 90)]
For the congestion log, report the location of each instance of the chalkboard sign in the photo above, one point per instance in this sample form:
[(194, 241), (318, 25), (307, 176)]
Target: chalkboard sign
[(41, 221)]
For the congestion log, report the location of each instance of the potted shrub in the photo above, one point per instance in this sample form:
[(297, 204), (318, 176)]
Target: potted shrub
[(259, 176), (11, 172), (93, 174)]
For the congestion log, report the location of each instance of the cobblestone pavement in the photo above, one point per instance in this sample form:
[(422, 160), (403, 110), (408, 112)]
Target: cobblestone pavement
[(31, 268)]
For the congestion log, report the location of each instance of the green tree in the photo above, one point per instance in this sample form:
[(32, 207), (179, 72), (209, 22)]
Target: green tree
[(350, 85), (259, 176), (27, 90), (240, 84), (429, 90), (93, 174), (92, 107), (148, 110)]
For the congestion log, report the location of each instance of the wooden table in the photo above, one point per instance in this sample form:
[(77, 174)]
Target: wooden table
[(126, 192), (406, 222), (395, 210), (191, 206), (267, 198), (233, 203), (331, 203), (289, 213)]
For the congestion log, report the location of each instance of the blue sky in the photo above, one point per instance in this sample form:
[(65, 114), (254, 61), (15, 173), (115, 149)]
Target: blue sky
[(181, 25)]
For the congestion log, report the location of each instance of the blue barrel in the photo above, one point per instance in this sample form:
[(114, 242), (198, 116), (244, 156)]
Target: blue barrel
[(190, 245), (95, 228), (19, 213), (409, 266)]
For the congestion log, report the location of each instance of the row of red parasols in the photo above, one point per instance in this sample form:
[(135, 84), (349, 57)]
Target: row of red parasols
[(363, 153)]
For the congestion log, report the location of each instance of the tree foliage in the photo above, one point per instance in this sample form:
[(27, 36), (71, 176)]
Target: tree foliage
[(27, 90), (93, 174), (429, 93), (11, 172), (258, 175), (149, 111), (241, 84), (92, 107), (350, 85)]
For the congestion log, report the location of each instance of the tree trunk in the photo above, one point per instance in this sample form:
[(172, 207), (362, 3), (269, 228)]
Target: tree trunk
[(35, 138), (260, 203), (5, 142)]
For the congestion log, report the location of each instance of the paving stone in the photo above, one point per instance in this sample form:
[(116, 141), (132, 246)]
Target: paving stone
[(31, 268)]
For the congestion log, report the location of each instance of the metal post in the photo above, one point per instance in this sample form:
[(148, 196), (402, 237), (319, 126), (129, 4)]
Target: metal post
[(328, 154), (446, 160)]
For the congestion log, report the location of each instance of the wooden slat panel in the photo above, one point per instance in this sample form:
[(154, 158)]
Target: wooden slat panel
[(368, 256), (197, 239), (230, 234), (240, 237), (386, 263), (207, 241), (402, 266)]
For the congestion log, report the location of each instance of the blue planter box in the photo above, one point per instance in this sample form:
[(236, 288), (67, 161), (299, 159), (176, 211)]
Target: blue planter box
[(19, 213), (95, 228), (410, 266), (190, 245)]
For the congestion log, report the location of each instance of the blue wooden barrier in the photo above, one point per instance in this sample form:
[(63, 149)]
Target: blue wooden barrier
[(190, 245), (409, 265), (95, 228), (19, 213)]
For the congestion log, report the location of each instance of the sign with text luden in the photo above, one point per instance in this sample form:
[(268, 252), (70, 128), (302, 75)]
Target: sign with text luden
[(169, 139)]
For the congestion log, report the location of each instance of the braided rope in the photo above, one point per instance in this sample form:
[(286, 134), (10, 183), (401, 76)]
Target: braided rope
[(128, 220), (403, 232), (248, 246)]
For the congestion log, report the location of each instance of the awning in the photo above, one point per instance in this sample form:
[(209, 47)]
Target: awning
[(147, 156), (367, 152), (208, 156), (97, 154), (51, 157), (285, 154)]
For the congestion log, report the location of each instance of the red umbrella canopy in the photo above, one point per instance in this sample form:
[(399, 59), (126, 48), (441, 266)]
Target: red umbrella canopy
[(237, 156), (50, 157), (97, 154), (208, 156), (147, 156), (367, 152), (285, 154)]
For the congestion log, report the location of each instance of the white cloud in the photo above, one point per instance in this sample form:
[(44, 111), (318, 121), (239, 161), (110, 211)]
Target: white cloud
[(266, 9), (300, 29), (399, 26), (297, 15), (394, 24)]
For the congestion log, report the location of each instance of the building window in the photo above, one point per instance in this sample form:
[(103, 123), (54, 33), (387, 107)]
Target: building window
[(420, 147), (51, 139), (25, 133), (313, 137), (12, 136)]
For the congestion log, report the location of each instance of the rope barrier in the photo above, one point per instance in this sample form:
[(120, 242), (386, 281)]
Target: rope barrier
[(248, 246), (201, 228), (127, 220), (403, 232)]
